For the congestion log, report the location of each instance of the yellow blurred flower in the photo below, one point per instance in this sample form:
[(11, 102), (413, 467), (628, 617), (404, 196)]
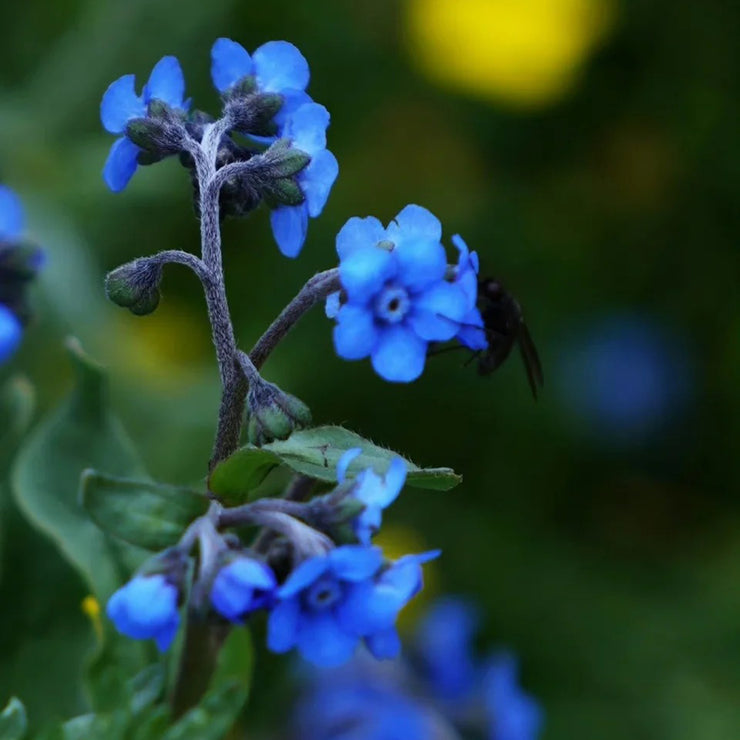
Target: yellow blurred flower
[(526, 53), (91, 608)]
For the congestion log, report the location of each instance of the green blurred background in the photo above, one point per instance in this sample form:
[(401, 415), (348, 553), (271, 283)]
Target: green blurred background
[(588, 151)]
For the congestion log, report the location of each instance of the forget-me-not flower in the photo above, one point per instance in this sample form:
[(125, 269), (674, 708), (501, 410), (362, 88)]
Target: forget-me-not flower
[(121, 104), (146, 607), (397, 296), (242, 586), (332, 601), (374, 491), (276, 67)]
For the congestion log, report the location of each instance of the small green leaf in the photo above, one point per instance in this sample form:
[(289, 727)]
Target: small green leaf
[(146, 687), (213, 717), (235, 660), (146, 514), (13, 721), (97, 726), (315, 453), (17, 402), (233, 479), (80, 434)]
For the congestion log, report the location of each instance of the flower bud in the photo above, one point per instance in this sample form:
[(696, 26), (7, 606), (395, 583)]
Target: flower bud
[(274, 414), (253, 113), (160, 134), (135, 286), (241, 586)]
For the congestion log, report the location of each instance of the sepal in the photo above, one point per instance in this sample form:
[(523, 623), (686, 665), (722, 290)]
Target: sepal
[(274, 414)]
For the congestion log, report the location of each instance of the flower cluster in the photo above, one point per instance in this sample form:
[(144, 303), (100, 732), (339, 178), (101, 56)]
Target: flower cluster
[(333, 596), (285, 162), (399, 295), (19, 263), (441, 690)]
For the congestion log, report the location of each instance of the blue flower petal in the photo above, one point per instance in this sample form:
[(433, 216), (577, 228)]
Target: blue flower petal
[(317, 180), (120, 104), (289, 227), (355, 334), (230, 62), (121, 164), (11, 215), (421, 262), (306, 128), (437, 312), (282, 626), (395, 478), (166, 635), (415, 222), (322, 642), (472, 331), (345, 461), (359, 233), (280, 66), (11, 333), (292, 101), (399, 355), (384, 645), (367, 609), (166, 83), (355, 562), (364, 272), (304, 575)]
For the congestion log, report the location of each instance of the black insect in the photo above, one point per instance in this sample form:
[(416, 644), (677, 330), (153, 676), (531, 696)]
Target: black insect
[(504, 325)]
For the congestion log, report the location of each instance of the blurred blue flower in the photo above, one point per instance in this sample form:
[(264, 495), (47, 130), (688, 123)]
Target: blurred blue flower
[(18, 265), (354, 703), (444, 642), (11, 333), (374, 491), (331, 601), (242, 586), (121, 104), (146, 607), (513, 715), (624, 375), (306, 130), (471, 332), (398, 299)]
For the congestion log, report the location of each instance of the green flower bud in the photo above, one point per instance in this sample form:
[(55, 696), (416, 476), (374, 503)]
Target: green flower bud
[(274, 414), (135, 286)]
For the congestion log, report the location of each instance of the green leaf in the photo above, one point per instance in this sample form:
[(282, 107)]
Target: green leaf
[(13, 721), (82, 433), (233, 479), (17, 403), (213, 717), (315, 453), (146, 514), (146, 687), (235, 660), (97, 726)]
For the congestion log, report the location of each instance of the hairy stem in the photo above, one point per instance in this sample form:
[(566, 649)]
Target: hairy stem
[(315, 290), (233, 382)]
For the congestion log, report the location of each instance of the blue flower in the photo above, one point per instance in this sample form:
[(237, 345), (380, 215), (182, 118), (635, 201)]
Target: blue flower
[(11, 333), (242, 586), (374, 491), (372, 606), (276, 67), (18, 263), (121, 104), (513, 714), (397, 297), (472, 330), (306, 130), (309, 614), (356, 703), (445, 644), (146, 607), (332, 601)]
